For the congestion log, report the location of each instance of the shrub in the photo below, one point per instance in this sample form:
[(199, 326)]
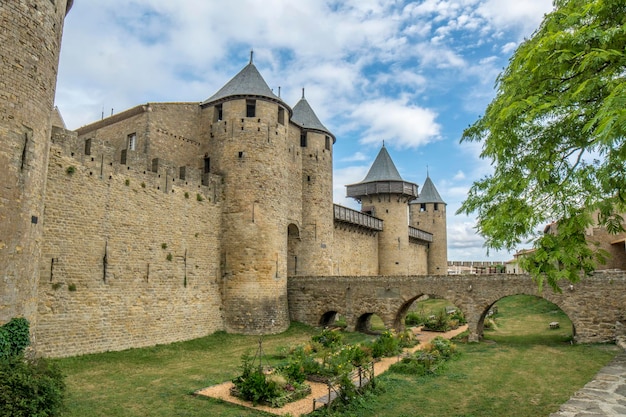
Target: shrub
[(199, 197), (70, 170), (439, 322), (14, 337), (30, 388), (328, 338), (386, 345), (413, 319)]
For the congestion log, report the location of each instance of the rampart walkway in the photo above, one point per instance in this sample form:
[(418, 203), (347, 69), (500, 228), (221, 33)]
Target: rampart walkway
[(596, 305)]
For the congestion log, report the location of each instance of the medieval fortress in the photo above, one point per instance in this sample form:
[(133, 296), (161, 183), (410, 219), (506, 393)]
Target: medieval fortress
[(170, 221)]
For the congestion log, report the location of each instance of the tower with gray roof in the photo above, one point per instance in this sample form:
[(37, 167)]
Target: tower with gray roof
[(249, 146), (316, 144), (384, 194), (428, 213)]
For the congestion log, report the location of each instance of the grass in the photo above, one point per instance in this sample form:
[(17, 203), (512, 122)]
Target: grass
[(522, 369)]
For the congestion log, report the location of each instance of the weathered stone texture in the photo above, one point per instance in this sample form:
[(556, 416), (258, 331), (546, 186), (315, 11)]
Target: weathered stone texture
[(596, 305), (432, 219), (29, 50), (143, 298), (356, 251)]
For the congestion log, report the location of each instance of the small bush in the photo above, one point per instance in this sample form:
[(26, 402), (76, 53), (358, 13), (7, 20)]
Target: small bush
[(30, 388), (386, 345), (127, 182), (143, 185), (70, 170), (169, 257), (328, 338), (186, 194), (163, 245), (199, 197), (71, 287), (14, 337), (413, 319)]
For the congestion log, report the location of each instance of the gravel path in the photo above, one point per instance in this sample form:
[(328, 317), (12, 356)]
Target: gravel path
[(305, 405)]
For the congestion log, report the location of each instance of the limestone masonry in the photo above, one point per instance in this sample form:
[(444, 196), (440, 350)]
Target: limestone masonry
[(170, 221)]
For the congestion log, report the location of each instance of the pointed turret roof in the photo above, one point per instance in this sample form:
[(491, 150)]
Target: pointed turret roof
[(305, 117), (429, 193), (383, 168), (247, 83), (382, 178)]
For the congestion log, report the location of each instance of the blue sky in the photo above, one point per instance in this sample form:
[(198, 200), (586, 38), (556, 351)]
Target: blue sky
[(413, 74)]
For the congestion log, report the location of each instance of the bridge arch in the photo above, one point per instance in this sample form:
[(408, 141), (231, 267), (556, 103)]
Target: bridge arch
[(328, 318), (595, 305), (399, 320)]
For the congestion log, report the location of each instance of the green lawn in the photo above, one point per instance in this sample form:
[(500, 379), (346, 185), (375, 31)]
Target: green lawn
[(522, 369)]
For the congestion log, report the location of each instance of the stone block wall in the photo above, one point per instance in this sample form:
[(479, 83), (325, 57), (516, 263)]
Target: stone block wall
[(125, 265), (29, 49), (355, 251)]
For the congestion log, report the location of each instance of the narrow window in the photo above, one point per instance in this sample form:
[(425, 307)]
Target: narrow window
[(207, 164), (123, 156), (217, 115), (132, 141), (422, 207), (303, 139), (250, 108), (182, 173), (281, 115), (327, 143), (88, 147), (436, 206)]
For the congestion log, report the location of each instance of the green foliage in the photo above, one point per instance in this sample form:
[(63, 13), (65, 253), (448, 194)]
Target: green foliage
[(428, 360), (70, 170), (71, 287), (385, 345), (30, 388), (413, 318), (127, 182), (14, 337), (169, 257), (199, 197), (276, 389), (554, 134), (329, 338), (186, 194), (163, 245), (143, 185)]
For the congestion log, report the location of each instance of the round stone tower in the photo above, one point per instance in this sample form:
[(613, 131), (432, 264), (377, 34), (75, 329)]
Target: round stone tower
[(249, 147), (384, 194), (428, 213), (316, 143), (30, 43)]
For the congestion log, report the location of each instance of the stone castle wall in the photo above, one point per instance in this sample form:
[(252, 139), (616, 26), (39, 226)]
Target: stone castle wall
[(160, 251), (355, 251), (29, 46), (433, 221)]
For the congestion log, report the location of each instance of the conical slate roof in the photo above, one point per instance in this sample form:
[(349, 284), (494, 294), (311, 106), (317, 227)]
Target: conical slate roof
[(429, 194), (382, 178), (305, 117), (248, 82)]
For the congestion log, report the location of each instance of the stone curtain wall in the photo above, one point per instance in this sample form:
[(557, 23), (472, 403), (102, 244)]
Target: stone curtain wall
[(355, 251), (596, 305), (147, 297), (29, 45)]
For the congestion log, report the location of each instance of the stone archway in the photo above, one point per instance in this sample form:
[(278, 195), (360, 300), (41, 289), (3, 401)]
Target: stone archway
[(293, 249), (557, 314), (328, 318)]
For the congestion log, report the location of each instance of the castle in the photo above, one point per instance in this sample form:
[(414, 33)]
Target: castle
[(170, 221)]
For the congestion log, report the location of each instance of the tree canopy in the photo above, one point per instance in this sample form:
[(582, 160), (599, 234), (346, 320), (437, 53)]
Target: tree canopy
[(555, 136)]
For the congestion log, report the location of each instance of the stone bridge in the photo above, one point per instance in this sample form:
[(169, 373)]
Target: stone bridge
[(596, 305)]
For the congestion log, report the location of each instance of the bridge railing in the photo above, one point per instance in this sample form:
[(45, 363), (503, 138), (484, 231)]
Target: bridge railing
[(348, 215), (420, 234)]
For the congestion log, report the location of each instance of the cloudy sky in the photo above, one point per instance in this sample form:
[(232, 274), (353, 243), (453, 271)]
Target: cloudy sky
[(411, 74)]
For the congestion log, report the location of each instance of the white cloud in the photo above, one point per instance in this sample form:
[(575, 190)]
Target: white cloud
[(395, 121)]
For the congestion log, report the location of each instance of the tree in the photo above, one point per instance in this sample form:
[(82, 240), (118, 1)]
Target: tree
[(555, 136)]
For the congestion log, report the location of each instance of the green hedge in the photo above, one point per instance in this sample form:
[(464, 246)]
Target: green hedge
[(14, 337)]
